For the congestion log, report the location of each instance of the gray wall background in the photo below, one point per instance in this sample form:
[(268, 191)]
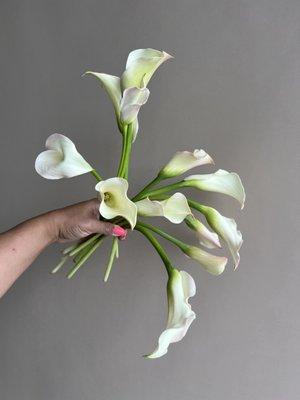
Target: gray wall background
[(232, 89)]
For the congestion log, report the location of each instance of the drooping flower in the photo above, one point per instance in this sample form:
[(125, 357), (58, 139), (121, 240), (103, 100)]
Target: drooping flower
[(180, 288), (175, 208), (221, 181), (205, 236), (213, 264), (114, 200), (226, 228), (183, 161), (61, 159), (141, 65)]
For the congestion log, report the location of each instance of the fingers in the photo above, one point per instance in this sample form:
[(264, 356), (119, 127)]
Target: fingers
[(106, 228)]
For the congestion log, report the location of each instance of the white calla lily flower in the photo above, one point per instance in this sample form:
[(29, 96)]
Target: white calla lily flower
[(180, 288), (114, 200), (213, 264), (222, 182), (61, 159), (141, 65), (111, 84), (205, 236), (132, 100), (183, 161), (226, 228), (175, 208)]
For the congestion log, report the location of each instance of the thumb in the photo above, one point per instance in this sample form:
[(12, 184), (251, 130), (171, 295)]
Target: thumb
[(107, 228)]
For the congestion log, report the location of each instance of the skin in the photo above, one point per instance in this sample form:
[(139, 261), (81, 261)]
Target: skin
[(21, 245)]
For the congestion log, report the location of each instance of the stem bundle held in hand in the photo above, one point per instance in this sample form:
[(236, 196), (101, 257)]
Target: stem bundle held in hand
[(62, 160)]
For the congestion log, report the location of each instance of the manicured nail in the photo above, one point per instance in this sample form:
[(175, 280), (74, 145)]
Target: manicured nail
[(118, 231)]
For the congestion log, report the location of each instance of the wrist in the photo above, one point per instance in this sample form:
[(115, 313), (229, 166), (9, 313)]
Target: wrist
[(50, 226)]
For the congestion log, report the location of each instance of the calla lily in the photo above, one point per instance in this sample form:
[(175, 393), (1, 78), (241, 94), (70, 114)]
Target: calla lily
[(183, 161), (226, 228), (114, 200), (213, 264), (206, 237), (180, 288), (61, 159), (132, 100), (175, 208), (222, 182), (129, 93), (126, 104), (141, 65)]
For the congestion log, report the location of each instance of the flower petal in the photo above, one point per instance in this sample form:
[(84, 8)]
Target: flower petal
[(112, 86), (141, 65), (132, 100), (213, 264), (183, 161), (61, 160), (114, 200), (176, 208), (222, 182), (180, 288), (206, 237), (226, 228), (149, 208)]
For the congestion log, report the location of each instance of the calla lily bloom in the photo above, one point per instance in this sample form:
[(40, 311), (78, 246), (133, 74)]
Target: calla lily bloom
[(180, 288), (175, 208), (114, 200), (126, 104), (141, 65), (222, 182), (213, 264), (226, 228), (61, 159), (183, 161), (206, 237), (129, 93)]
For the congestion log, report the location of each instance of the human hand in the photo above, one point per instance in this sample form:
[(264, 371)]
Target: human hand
[(79, 221)]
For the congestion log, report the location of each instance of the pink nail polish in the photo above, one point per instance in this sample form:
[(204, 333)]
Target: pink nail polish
[(118, 231)]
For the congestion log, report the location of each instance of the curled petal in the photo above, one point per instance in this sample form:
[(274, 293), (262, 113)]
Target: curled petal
[(226, 228), (149, 208), (180, 288), (175, 208), (222, 182), (114, 200), (183, 161), (112, 86), (213, 264), (61, 159), (141, 65), (132, 100), (206, 237)]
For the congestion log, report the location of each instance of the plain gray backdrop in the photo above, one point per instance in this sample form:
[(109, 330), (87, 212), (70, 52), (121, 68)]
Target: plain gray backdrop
[(233, 89)]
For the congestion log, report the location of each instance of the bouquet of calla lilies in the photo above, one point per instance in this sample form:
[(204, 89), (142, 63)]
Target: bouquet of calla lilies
[(62, 160)]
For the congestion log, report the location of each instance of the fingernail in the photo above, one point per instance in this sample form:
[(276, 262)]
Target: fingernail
[(118, 231)]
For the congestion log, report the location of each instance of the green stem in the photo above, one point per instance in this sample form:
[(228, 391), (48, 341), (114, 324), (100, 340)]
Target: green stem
[(84, 244), (84, 258), (163, 234), (129, 137), (197, 206), (124, 144), (96, 175), (146, 188), (155, 243), (114, 253), (164, 189), (59, 265)]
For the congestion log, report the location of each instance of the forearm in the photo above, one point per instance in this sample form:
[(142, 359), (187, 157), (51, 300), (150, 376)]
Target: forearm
[(20, 246)]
